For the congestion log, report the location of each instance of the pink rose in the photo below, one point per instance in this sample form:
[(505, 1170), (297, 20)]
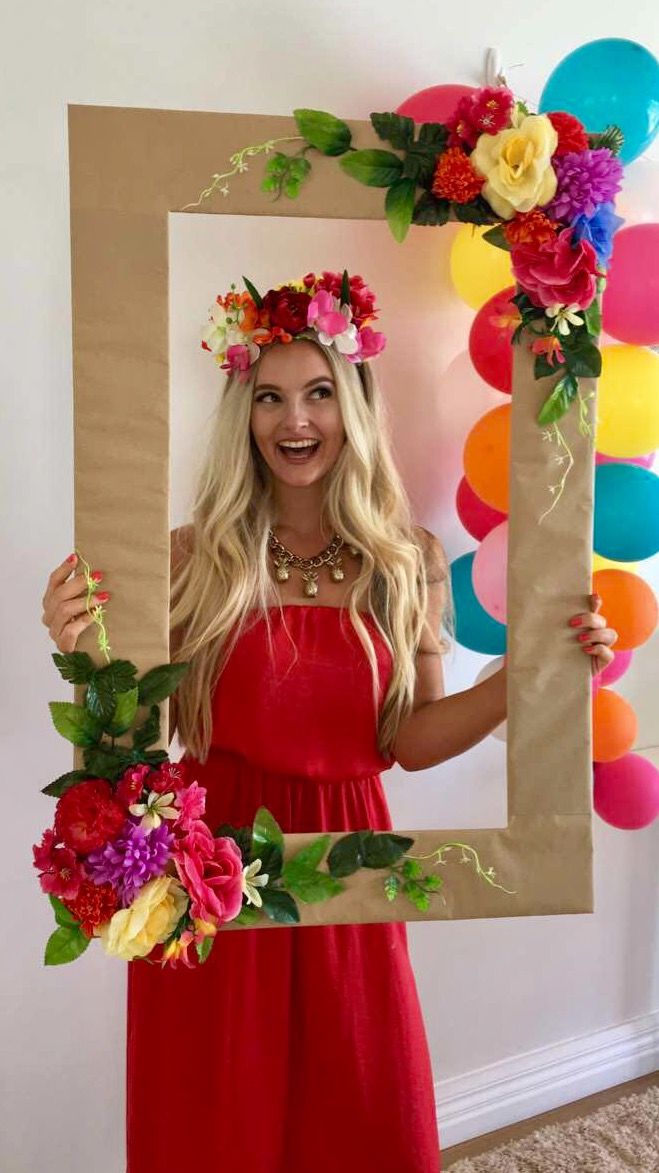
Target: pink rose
[(213, 880), (557, 272)]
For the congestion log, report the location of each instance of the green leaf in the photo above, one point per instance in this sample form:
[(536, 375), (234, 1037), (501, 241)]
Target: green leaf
[(272, 861), (420, 899), (75, 667), (345, 288), (204, 947), (124, 713), (248, 915), (65, 944), (75, 723), (149, 731), (347, 854), (430, 210), (106, 761), (419, 164), (396, 129), (161, 682), (384, 848), (327, 134), (373, 167), (265, 829), (412, 869), (241, 835), (433, 134), (542, 368), (496, 236), (583, 358), (308, 857), (62, 914), (312, 887), (558, 402), (153, 758), (593, 317), (64, 782), (280, 907), (399, 206), (611, 138), (253, 292), (433, 882), (392, 887), (476, 212)]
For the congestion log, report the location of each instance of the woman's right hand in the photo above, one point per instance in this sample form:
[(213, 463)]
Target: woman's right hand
[(65, 611)]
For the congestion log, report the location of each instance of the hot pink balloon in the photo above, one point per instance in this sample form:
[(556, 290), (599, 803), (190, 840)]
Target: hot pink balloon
[(626, 792), (643, 461), (630, 305), (489, 572), (613, 671), (434, 104), (477, 517), (490, 340)]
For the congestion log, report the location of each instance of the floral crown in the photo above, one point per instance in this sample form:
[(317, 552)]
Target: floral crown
[(338, 307)]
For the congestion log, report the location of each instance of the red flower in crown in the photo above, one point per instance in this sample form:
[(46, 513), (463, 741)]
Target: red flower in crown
[(285, 308), (362, 299)]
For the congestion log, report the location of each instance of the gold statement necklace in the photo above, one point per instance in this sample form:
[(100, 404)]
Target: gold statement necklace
[(331, 557)]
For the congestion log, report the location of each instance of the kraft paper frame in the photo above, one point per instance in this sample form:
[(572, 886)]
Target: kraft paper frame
[(129, 168)]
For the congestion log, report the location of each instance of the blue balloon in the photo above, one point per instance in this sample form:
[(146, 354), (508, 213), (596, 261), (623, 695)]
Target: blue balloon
[(474, 628), (612, 81), (626, 513)]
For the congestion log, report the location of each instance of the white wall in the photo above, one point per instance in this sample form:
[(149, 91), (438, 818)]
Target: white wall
[(492, 991)]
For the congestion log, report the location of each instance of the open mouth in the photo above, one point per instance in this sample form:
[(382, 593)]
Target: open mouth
[(299, 453)]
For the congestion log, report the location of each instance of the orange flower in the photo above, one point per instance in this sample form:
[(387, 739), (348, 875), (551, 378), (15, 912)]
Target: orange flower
[(530, 229), (550, 346), (455, 178)]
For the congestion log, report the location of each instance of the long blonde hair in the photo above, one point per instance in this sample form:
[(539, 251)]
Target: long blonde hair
[(225, 576)]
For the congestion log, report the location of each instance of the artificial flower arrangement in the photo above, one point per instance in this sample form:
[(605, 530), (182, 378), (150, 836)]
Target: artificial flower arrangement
[(129, 858), (543, 184)]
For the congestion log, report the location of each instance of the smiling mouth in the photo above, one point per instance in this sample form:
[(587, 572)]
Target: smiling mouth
[(299, 453)]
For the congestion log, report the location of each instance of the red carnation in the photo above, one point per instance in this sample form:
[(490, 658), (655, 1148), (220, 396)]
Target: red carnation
[(571, 133), (532, 229), (88, 815), (94, 904), (455, 178), (286, 308)]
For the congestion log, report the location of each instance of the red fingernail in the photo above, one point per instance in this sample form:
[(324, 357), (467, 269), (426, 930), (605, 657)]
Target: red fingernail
[(584, 636), (72, 558), (103, 596), (97, 575), (576, 621)]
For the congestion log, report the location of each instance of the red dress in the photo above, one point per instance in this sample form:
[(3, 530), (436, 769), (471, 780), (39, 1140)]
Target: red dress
[(291, 1049)]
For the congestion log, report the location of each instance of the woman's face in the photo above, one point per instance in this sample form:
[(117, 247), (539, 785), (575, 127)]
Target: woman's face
[(295, 400)]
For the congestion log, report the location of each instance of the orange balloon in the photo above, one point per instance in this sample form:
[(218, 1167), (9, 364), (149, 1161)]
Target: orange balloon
[(615, 726), (487, 457), (628, 604)]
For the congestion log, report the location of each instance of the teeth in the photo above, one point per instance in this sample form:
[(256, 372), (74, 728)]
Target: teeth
[(298, 443)]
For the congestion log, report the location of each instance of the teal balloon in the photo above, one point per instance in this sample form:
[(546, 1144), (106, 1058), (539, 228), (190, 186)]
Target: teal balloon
[(612, 81), (626, 512), (474, 628)]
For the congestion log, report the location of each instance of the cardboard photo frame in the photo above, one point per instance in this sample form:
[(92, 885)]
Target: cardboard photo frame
[(129, 169)]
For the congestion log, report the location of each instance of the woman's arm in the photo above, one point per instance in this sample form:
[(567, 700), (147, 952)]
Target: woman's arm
[(439, 726)]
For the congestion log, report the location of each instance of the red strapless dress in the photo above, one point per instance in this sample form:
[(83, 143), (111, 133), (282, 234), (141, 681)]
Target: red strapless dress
[(290, 1049)]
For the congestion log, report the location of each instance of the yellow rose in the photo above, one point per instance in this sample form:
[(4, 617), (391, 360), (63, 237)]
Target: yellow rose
[(517, 166), (151, 918)]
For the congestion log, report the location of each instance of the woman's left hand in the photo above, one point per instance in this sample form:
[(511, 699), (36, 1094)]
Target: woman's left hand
[(594, 635)]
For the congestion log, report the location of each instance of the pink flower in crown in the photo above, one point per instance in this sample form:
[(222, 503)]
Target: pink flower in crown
[(362, 299), (239, 358), (371, 342), (332, 322)]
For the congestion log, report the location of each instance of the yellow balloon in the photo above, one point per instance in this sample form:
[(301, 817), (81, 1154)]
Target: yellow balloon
[(602, 563), (478, 269), (628, 401)]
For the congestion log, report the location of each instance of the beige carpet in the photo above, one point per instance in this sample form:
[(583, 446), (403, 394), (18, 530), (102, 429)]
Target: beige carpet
[(615, 1139)]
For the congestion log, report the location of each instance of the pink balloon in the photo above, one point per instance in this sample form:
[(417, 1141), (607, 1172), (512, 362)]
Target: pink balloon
[(626, 792), (489, 572), (613, 671), (643, 461), (630, 306), (490, 340), (434, 104), (477, 517)]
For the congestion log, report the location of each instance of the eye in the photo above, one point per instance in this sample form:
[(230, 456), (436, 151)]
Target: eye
[(324, 391)]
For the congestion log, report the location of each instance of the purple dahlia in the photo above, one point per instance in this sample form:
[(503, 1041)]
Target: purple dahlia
[(586, 179), (131, 860)]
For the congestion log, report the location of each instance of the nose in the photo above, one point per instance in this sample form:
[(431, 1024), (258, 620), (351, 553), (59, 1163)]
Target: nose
[(296, 415)]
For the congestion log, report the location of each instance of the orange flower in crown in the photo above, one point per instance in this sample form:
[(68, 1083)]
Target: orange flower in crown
[(338, 308)]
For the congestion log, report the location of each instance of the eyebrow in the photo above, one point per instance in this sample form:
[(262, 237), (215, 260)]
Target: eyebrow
[(274, 387)]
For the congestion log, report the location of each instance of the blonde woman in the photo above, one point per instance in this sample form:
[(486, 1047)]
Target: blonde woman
[(294, 1049)]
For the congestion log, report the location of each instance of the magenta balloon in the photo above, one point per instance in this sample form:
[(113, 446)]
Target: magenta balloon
[(434, 104), (630, 306), (643, 461), (489, 572), (476, 515), (613, 671), (626, 792)]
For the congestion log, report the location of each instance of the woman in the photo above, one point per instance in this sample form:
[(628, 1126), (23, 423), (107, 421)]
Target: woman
[(292, 1050)]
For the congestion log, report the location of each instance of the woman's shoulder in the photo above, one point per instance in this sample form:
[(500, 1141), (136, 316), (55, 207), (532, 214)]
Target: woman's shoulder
[(434, 556)]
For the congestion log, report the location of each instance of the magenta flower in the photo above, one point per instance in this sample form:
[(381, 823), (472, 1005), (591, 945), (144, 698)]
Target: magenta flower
[(586, 179), (191, 801), (371, 342), (60, 872), (558, 272), (212, 877)]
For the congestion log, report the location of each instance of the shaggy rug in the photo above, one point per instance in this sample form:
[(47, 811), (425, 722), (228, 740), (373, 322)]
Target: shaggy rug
[(614, 1139)]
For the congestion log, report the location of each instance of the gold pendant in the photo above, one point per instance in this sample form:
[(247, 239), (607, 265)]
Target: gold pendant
[(310, 585), (336, 574), (283, 574)]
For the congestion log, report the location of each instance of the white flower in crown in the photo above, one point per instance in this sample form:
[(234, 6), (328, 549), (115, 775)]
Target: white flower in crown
[(223, 330), (332, 323)]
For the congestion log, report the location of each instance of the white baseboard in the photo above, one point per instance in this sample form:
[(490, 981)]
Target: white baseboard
[(525, 1085)]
